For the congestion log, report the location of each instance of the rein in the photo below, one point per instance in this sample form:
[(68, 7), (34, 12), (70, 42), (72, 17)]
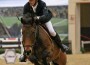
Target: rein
[(36, 34)]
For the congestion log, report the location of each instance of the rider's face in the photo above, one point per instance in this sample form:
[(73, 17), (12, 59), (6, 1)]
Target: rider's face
[(32, 2)]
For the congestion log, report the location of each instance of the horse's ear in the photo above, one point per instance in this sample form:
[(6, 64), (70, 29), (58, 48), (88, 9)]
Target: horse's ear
[(22, 21), (50, 13)]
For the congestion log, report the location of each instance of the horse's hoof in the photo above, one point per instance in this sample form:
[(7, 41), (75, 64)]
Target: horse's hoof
[(22, 59)]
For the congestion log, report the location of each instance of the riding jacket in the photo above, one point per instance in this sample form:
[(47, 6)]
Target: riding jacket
[(41, 10)]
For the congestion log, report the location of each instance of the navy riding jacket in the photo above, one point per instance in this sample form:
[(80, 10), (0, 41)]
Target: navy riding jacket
[(41, 10)]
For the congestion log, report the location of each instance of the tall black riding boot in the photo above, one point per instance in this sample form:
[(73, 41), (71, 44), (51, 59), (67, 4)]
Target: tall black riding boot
[(57, 40)]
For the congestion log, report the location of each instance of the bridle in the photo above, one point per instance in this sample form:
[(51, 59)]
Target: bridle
[(36, 34)]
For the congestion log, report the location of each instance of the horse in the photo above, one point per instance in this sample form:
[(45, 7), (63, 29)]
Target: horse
[(39, 48)]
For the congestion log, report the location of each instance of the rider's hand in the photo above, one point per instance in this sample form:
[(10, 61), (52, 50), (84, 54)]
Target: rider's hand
[(26, 20), (36, 18)]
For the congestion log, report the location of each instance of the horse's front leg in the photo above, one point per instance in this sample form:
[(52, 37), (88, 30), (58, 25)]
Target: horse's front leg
[(45, 62), (36, 63), (33, 59), (45, 54)]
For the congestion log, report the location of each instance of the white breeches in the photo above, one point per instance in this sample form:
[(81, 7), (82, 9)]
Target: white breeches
[(50, 28)]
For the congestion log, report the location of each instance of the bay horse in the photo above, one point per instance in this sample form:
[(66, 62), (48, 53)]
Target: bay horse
[(39, 48)]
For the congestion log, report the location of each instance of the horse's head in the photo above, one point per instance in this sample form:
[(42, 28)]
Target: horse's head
[(28, 30), (29, 33)]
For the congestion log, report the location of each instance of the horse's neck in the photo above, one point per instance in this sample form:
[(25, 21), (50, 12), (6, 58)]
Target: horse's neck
[(44, 36)]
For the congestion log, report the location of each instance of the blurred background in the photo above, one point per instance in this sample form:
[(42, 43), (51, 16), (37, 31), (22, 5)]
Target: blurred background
[(10, 26)]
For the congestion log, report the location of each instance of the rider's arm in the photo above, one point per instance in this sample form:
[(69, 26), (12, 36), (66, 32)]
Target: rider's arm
[(26, 8), (26, 18), (47, 15)]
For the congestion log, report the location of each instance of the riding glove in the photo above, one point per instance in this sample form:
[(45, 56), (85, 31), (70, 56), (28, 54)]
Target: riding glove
[(36, 19), (26, 20)]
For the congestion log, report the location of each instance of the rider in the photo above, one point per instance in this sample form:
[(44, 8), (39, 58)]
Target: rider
[(41, 13)]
